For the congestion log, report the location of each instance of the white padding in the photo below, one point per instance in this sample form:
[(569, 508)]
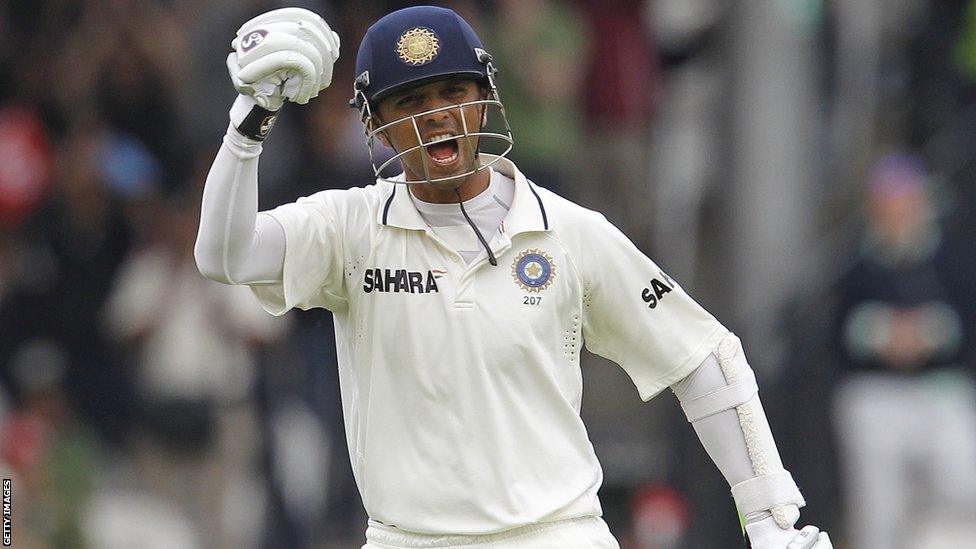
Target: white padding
[(719, 400), (766, 492)]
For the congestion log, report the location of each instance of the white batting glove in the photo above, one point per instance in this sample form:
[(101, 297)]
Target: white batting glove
[(282, 54), (767, 534)]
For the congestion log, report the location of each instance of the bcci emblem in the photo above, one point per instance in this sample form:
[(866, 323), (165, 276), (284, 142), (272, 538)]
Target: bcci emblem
[(533, 270), (418, 46)]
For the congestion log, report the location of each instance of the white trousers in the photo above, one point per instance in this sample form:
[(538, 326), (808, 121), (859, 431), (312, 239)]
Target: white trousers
[(908, 454), (579, 533)]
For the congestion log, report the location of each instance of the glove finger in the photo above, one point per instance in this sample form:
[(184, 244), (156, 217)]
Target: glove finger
[(300, 56), (321, 36), (300, 22), (330, 41), (317, 26), (284, 60), (262, 90), (308, 89), (275, 42), (336, 43), (240, 39), (328, 46), (233, 68), (263, 21), (281, 14), (287, 27), (249, 42), (264, 67), (805, 539), (325, 78), (269, 85), (292, 85)]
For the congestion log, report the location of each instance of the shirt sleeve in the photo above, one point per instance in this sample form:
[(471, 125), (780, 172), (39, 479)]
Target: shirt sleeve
[(312, 274), (638, 316)]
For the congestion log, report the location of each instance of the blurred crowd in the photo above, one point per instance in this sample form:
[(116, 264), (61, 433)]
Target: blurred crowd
[(142, 405)]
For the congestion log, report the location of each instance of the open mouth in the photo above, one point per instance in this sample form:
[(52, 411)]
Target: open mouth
[(443, 149)]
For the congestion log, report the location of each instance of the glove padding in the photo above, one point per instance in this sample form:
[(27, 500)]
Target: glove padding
[(283, 54), (766, 534)]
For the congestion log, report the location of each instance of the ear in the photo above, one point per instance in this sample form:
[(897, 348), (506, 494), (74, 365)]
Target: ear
[(383, 139), (371, 125)]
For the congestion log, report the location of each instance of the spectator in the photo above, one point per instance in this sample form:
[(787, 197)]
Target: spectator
[(905, 407), (75, 241), (194, 342)]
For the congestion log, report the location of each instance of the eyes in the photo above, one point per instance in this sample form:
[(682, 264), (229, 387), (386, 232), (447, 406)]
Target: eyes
[(412, 100), (407, 101)]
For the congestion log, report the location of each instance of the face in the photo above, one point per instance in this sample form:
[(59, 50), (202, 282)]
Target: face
[(449, 155), (899, 217)]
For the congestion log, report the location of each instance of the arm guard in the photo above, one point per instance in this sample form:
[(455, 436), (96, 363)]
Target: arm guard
[(721, 401)]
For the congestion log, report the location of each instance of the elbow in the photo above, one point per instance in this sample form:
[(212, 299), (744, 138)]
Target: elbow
[(208, 260)]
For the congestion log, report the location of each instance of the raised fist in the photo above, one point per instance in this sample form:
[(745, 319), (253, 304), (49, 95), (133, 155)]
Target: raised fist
[(283, 54)]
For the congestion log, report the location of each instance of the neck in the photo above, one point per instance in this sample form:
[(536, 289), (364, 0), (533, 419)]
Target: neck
[(470, 187)]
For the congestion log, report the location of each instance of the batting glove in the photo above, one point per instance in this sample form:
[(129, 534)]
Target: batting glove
[(282, 54), (766, 534)]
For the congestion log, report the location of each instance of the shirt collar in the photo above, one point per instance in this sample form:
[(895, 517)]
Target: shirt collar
[(528, 212)]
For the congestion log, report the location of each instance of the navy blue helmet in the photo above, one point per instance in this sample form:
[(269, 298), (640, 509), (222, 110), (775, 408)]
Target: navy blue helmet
[(413, 46)]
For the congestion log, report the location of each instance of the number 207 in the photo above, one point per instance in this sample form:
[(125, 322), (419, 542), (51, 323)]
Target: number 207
[(531, 299)]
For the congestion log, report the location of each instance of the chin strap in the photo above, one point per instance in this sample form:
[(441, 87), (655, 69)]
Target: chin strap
[(491, 255)]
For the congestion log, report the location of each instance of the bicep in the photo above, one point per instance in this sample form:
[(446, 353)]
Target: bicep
[(265, 261)]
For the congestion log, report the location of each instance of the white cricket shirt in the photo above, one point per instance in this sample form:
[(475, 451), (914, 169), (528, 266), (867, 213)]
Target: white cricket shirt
[(461, 384)]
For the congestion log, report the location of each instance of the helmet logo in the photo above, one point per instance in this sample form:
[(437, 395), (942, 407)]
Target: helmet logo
[(418, 46)]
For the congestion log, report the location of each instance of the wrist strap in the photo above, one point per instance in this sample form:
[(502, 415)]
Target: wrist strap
[(766, 492), (258, 123)]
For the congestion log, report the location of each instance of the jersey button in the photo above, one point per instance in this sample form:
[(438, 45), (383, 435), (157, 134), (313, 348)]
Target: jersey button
[(454, 258)]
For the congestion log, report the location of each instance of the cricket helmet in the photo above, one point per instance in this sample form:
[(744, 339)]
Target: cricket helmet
[(415, 46)]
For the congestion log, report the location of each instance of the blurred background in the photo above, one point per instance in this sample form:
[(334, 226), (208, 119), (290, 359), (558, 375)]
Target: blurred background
[(805, 168)]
